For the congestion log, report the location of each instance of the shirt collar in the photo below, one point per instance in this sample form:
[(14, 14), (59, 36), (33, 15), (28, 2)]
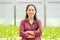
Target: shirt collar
[(26, 20)]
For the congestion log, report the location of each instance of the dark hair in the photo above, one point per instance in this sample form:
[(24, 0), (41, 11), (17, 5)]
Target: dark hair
[(35, 18)]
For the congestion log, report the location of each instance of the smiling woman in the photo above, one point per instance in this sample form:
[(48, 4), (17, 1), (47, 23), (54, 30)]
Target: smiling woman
[(31, 27)]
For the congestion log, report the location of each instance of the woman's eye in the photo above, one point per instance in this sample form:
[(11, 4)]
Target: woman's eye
[(32, 10), (29, 10)]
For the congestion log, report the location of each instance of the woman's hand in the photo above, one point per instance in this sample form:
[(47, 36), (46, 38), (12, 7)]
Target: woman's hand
[(30, 32), (30, 36)]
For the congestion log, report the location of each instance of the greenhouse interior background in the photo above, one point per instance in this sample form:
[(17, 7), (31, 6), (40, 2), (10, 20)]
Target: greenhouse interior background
[(13, 11)]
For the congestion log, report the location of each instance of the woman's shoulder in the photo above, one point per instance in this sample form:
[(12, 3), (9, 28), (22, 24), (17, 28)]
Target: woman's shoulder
[(39, 20)]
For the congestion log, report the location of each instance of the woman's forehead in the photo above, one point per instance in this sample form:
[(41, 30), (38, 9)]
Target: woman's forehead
[(31, 7)]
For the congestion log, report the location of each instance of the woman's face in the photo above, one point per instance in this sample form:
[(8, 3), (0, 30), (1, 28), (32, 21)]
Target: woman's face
[(31, 11)]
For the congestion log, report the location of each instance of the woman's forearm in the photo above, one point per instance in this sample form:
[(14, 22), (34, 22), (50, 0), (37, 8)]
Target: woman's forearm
[(30, 33), (30, 36)]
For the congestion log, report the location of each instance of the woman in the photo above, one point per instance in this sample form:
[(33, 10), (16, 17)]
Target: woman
[(31, 27)]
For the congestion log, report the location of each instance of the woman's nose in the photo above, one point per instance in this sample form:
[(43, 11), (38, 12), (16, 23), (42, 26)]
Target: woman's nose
[(31, 11)]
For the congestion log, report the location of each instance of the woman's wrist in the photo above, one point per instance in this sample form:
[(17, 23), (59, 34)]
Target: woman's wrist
[(30, 36), (30, 33)]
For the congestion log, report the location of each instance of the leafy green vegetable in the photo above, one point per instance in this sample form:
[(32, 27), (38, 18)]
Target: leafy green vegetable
[(11, 31)]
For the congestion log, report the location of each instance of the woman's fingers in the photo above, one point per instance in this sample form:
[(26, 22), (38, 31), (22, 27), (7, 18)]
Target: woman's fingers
[(30, 32), (27, 31), (30, 36)]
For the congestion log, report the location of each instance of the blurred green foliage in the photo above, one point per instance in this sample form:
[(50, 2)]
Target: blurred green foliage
[(9, 31), (13, 31), (51, 32)]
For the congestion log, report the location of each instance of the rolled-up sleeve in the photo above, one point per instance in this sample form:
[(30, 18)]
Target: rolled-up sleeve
[(38, 32), (21, 31)]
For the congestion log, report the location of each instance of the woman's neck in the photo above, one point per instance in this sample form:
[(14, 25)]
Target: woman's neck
[(30, 18)]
